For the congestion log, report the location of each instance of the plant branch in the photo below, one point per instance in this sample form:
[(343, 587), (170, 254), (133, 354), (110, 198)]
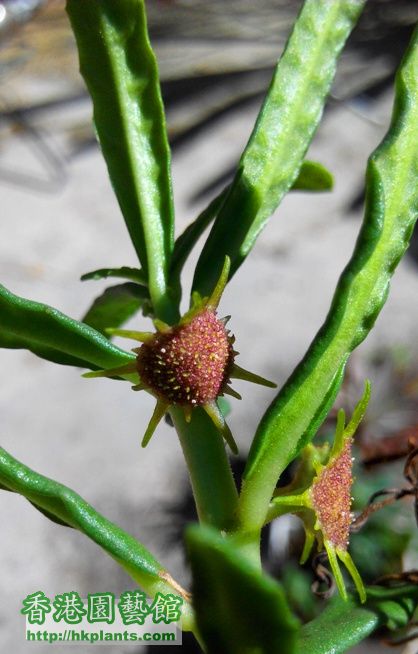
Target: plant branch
[(210, 473)]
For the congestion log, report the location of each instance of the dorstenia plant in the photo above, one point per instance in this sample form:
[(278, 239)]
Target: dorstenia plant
[(187, 362)]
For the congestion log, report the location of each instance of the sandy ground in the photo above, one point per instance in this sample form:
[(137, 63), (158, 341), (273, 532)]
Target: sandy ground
[(86, 433)]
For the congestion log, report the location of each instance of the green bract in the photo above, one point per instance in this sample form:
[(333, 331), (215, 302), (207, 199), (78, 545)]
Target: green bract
[(320, 495)]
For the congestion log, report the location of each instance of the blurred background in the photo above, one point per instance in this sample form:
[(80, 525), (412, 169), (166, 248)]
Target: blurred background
[(59, 219)]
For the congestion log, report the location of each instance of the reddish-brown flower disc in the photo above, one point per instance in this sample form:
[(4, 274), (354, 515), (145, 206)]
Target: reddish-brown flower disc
[(331, 498), (190, 364)]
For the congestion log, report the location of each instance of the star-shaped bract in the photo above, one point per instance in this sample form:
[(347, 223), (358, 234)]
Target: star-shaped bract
[(321, 495), (189, 364)]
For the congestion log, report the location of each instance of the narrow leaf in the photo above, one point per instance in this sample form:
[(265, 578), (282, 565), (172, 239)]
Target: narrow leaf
[(238, 609), (284, 129), (390, 215), (115, 306), (343, 624), (64, 506), (120, 71), (50, 334), (133, 274)]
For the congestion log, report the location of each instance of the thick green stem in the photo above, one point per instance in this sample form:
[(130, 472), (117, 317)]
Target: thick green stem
[(211, 477), (165, 309), (247, 544)]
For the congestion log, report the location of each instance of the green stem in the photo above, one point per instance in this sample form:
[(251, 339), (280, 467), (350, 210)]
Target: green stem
[(165, 309), (211, 477), (247, 544), (287, 504)]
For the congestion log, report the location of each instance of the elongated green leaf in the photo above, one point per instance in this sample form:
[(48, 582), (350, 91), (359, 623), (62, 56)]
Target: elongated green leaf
[(119, 68), (115, 306), (64, 506), (390, 215), (238, 610), (133, 274), (50, 334), (285, 126), (312, 176), (343, 624)]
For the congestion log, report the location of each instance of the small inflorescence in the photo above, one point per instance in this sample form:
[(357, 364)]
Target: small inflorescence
[(320, 495), (331, 498), (188, 365)]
